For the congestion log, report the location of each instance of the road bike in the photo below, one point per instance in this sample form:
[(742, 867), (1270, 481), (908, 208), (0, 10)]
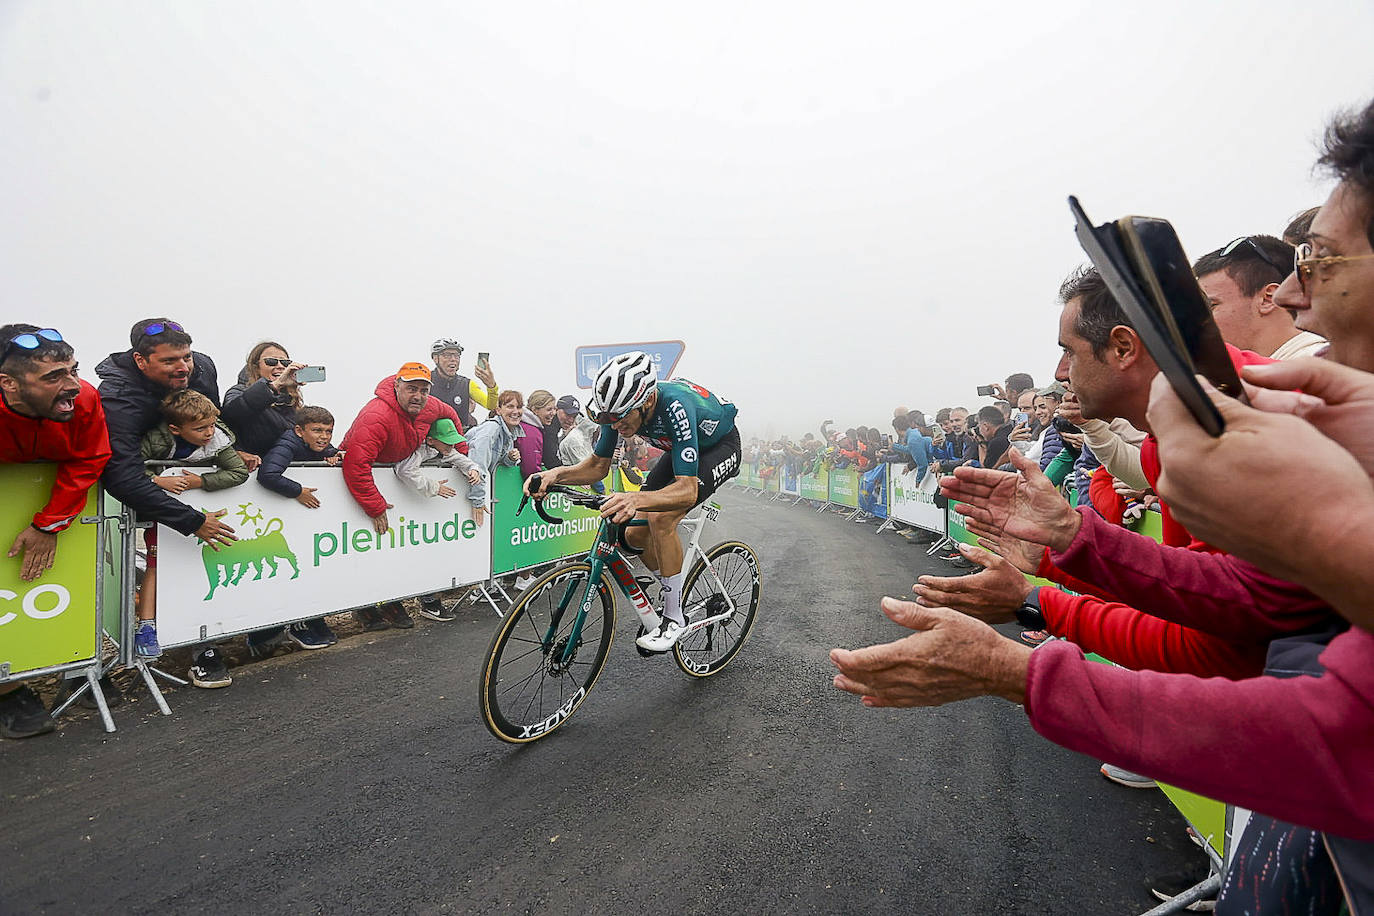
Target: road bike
[(552, 645)]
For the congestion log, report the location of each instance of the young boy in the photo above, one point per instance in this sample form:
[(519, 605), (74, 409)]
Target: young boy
[(440, 443), (309, 441), (190, 432)]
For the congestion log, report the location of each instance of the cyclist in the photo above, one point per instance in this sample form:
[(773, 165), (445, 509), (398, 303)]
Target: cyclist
[(697, 431)]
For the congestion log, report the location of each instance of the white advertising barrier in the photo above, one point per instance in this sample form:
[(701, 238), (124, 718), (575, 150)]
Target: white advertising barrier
[(291, 563), (913, 502)]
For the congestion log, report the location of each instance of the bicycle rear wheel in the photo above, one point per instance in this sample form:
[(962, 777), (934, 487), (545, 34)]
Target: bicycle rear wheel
[(733, 571), (528, 687)]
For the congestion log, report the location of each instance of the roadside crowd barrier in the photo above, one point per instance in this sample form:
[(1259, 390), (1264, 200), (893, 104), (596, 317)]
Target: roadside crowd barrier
[(289, 563), (917, 503)]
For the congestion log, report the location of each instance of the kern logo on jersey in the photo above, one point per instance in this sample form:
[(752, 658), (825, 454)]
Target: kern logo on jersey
[(682, 426)]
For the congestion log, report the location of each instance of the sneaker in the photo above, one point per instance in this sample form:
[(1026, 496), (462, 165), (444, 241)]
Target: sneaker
[(370, 618), (323, 631), (306, 636), (209, 670), (145, 639), (395, 614), (1170, 886), (523, 582), (663, 638), (434, 609), (1128, 779), (22, 715), (67, 686), (263, 643), (1034, 637)]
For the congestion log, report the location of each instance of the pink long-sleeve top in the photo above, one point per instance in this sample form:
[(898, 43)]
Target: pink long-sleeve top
[(1298, 749)]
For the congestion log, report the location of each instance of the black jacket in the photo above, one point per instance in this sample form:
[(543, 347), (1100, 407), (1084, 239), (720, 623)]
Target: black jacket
[(132, 408), (290, 447), (257, 415)]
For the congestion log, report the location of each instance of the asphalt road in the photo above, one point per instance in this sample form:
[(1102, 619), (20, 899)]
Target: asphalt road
[(359, 779)]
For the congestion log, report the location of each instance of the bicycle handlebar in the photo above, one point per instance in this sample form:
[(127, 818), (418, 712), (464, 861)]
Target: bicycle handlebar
[(576, 497)]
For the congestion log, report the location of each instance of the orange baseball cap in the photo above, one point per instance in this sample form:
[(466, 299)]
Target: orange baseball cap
[(413, 372)]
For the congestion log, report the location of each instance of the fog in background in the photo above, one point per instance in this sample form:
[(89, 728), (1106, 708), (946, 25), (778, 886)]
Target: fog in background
[(838, 207)]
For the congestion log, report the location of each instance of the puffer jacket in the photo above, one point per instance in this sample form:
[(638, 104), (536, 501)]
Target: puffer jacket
[(385, 433), (133, 406), (258, 415)]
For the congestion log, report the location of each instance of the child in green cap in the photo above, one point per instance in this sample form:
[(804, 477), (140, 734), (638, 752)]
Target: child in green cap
[(439, 447)]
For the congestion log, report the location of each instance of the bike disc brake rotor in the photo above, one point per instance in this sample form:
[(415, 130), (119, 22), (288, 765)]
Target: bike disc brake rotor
[(554, 664)]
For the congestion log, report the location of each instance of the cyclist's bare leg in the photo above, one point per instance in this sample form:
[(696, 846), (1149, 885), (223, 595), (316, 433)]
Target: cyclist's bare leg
[(667, 550)]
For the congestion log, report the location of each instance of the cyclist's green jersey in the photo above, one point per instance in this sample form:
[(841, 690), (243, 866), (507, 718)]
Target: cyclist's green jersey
[(686, 421)]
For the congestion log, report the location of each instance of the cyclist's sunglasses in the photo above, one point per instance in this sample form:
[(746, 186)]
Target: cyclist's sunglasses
[(1249, 243), (30, 340), (607, 418), (1304, 265), (157, 327), (273, 361)]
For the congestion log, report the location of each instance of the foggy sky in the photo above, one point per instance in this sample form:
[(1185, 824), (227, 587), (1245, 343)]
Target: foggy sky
[(838, 207)]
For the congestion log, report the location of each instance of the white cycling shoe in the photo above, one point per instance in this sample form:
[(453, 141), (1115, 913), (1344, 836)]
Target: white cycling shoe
[(663, 638)]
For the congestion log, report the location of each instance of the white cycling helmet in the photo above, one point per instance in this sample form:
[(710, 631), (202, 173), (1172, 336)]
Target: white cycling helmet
[(444, 343), (624, 382)]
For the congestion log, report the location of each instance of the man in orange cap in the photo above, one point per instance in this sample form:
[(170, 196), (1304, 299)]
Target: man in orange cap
[(389, 428)]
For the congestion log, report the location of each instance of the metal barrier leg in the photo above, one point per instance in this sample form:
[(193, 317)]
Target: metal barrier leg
[(887, 525), (1191, 895), (945, 543), (147, 671)]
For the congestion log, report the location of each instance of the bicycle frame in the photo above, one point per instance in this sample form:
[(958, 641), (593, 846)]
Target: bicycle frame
[(604, 555)]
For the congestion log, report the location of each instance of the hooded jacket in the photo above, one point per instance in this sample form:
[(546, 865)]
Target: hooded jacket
[(132, 407), (383, 432), (80, 446)]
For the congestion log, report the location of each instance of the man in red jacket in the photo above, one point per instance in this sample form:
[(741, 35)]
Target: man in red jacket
[(46, 414), (389, 428)]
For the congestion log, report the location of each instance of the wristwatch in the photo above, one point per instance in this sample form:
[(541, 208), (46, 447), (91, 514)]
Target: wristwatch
[(1029, 614)]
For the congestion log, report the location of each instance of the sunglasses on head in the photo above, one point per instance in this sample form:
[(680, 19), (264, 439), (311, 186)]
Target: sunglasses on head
[(30, 340), (1249, 243), (157, 327)]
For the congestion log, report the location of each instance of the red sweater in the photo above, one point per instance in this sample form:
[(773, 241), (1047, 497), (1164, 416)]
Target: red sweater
[(383, 432), (80, 446)]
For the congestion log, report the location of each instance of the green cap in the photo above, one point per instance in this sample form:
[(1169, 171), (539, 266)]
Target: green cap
[(444, 430)]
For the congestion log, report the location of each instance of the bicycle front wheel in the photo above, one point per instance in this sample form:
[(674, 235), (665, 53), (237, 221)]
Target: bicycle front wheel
[(727, 574), (535, 675)]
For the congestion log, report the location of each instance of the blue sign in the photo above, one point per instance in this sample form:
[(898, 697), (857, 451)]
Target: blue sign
[(590, 359)]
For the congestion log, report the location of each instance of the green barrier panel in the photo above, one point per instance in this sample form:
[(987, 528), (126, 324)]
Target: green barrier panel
[(844, 487), (112, 583), (816, 487), (50, 621), (519, 543)]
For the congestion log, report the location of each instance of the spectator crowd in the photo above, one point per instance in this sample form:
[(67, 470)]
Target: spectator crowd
[(158, 410)]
